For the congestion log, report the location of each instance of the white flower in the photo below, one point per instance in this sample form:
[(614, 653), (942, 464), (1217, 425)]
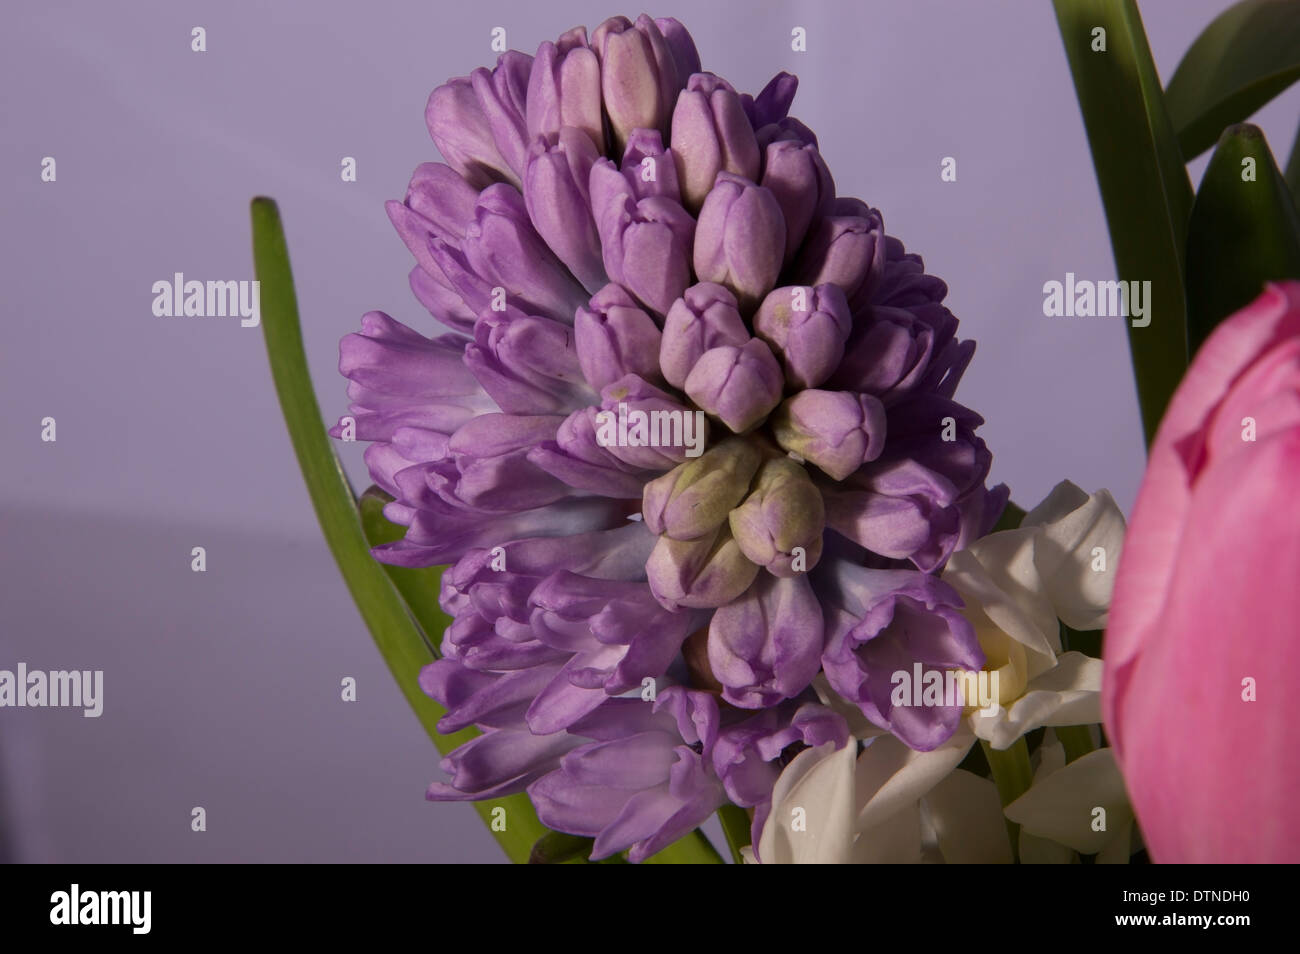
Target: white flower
[(1061, 565), (1081, 806), (889, 805), (892, 804)]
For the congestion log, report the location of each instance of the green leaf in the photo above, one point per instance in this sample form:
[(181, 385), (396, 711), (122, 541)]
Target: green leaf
[(1244, 232), (1249, 54), (1292, 173), (399, 640), (736, 829), (692, 849), (1144, 184), (557, 847), (419, 587), (1012, 514)]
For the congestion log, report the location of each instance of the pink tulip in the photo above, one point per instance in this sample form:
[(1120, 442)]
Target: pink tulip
[(1206, 611)]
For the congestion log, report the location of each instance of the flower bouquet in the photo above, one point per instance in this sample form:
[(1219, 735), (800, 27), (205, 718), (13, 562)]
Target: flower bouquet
[(677, 513)]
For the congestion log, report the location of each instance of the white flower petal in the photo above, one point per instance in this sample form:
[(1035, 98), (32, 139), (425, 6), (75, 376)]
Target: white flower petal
[(895, 841), (1119, 849), (1074, 526), (1041, 851), (890, 776), (819, 782), (1061, 804), (997, 576), (1069, 694), (967, 817)]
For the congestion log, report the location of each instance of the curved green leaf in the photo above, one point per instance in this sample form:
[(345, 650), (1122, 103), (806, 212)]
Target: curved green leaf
[(1143, 181), (1245, 231), (419, 587), (1292, 173), (1249, 54), (736, 828), (399, 640)]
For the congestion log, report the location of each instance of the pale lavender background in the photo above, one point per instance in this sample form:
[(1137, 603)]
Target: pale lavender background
[(222, 688)]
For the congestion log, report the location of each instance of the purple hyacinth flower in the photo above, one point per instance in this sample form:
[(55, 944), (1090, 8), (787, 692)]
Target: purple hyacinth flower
[(644, 406), (615, 337), (502, 247), (645, 781), (923, 498), (901, 350), (835, 430), (526, 364), (501, 94), (638, 75), (564, 90), (846, 248), (740, 240), (399, 378), (703, 573), (696, 497), (650, 168), (807, 327), (795, 173), (654, 478), (884, 622), (766, 646), (711, 134), (477, 124), (645, 242), (559, 204), (685, 55), (705, 317), (738, 385), (779, 525)]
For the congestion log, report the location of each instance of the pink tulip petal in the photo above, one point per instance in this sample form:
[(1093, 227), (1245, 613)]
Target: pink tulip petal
[(1156, 530), (1213, 777)]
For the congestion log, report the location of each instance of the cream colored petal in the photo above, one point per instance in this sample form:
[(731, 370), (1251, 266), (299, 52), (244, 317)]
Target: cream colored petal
[(813, 809), (890, 776), (1063, 804), (996, 575), (1069, 694), (1041, 851), (1119, 849), (895, 841), (1080, 533), (967, 817), (1049, 757)]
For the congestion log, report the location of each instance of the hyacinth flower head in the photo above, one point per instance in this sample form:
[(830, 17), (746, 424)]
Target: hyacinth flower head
[(687, 440)]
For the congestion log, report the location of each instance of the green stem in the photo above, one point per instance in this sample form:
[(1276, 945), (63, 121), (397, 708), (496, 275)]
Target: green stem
[(1076, 739), (1012, 775), (736, 827)]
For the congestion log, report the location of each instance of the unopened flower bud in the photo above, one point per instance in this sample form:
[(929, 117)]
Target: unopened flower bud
[(780, 524)]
